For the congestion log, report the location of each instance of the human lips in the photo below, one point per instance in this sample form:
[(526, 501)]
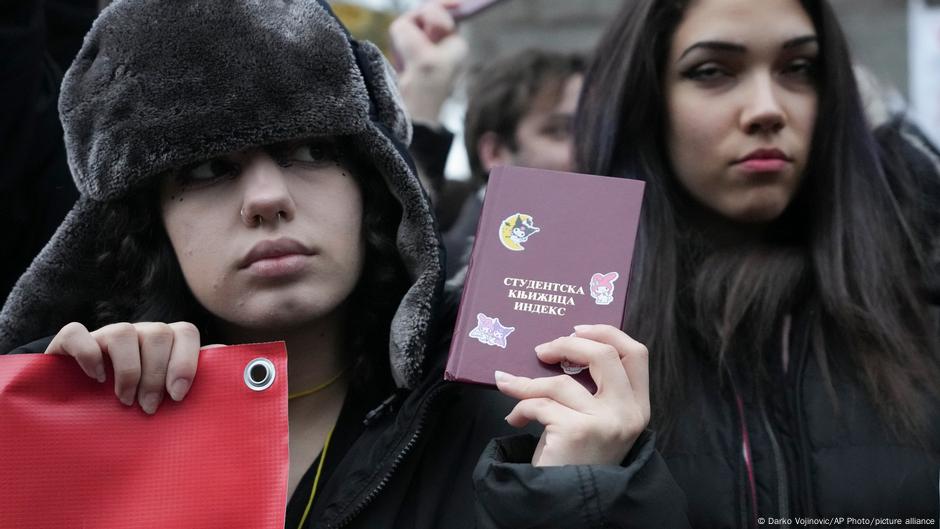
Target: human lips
[(276, 257), (764, 160)]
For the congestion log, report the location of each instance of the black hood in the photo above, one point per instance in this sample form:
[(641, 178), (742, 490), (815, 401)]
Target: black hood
[(159, 84)]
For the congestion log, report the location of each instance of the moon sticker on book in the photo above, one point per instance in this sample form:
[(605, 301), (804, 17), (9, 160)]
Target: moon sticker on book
[(515, 230)]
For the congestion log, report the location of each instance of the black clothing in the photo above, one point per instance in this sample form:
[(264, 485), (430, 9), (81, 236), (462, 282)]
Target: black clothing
[(417, 464), (349, 426), (459, 239), (412, 466), (803, 459), (513, 493), (429, 147), (457, 204)]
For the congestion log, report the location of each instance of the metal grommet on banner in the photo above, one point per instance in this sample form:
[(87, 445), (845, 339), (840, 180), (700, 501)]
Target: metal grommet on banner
[(259, 374)]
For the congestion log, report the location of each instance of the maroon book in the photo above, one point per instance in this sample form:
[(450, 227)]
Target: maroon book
[(552, 250)]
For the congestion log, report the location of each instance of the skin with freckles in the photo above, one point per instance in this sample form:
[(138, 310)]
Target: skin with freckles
[(740, 78), (227, 206)]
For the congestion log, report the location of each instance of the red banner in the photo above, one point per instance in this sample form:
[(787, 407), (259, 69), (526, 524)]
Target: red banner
[(71, 455)]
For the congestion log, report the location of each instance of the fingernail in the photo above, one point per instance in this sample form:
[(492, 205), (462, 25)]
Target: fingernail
[(540, 348), (579, 328), (178, 389), (127, 398), (502, 377), (149, 402), (99, 374)]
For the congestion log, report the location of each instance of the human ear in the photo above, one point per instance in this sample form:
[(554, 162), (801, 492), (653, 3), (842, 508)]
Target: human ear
[(493, 152)]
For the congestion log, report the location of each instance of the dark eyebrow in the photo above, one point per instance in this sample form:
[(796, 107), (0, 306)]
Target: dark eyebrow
[(718, 45)]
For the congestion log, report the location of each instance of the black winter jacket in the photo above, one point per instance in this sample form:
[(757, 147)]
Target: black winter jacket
[(745, 463), (428, 459), (789, 454)]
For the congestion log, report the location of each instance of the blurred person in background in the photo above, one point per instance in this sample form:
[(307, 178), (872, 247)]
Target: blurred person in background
[(903, 142), (429, 54), (520, 110)]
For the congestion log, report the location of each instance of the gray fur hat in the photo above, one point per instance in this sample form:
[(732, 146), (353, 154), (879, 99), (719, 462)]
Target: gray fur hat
[(159, 84)]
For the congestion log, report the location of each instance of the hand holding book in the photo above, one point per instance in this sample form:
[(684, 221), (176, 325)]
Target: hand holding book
[(583, 428), (552, 253)]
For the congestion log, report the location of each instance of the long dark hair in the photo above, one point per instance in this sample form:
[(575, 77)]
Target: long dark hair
[(145, 282), (844, 252)]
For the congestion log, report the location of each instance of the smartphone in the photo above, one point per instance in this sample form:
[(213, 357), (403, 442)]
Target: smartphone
[(469, 8)]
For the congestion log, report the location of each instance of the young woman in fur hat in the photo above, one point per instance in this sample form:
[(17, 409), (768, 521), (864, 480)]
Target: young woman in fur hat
[(244, 178)]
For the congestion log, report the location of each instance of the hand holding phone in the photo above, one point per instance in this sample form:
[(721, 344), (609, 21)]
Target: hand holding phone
[(428, 52)]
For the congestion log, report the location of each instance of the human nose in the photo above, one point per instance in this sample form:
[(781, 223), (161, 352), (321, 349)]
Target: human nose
[(266, 196), (763, 111)]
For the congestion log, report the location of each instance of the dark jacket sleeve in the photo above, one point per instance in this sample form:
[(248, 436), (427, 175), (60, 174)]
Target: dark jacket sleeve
[(640, 493), (430, 146), (39, 346)]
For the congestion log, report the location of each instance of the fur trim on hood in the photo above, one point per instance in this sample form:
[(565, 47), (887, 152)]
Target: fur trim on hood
[(158, 85)]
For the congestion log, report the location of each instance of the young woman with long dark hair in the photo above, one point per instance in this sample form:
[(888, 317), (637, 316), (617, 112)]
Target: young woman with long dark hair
[(781, 276)]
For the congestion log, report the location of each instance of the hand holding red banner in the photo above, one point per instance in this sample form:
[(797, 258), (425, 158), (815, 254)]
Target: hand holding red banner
[(74, 456)]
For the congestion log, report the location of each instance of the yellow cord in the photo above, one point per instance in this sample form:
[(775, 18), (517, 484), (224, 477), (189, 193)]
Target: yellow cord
[(326, 444), (316, 479), (321, 387)]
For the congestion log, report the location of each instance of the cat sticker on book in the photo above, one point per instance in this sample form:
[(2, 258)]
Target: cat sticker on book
[(490, 331), (602, 287), (515, 230)]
